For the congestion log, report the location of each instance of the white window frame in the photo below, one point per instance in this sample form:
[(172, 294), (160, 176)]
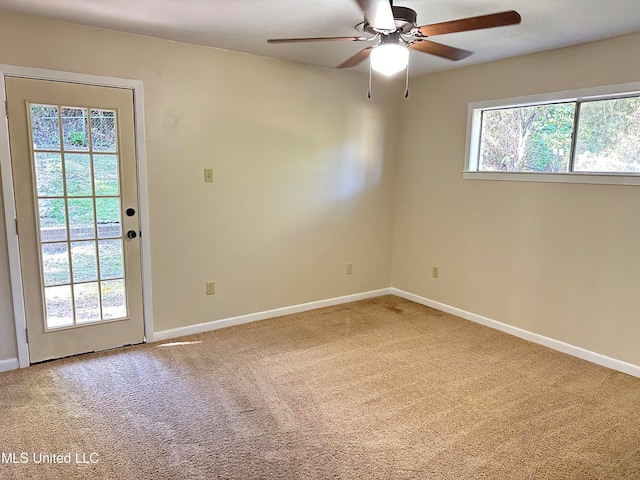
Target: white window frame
[(474, 118)]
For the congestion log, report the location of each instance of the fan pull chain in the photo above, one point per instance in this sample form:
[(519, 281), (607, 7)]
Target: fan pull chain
[(406, 83), (369, 92)]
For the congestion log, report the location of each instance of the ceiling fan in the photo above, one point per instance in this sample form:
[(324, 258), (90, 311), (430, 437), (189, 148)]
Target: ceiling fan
[(393, 31)]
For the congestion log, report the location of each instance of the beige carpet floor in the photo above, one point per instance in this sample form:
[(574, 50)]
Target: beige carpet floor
[(377, 389)]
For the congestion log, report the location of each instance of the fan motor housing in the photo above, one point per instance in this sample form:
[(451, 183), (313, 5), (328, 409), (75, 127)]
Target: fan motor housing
[(405, 19)]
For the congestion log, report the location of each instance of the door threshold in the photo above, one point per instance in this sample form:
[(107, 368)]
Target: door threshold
[(86, 353)]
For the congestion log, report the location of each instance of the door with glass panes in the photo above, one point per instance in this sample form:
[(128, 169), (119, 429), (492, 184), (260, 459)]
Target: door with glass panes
[(74, 173)]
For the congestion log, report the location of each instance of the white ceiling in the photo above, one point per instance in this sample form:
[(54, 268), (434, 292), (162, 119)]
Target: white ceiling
[(245, 25)]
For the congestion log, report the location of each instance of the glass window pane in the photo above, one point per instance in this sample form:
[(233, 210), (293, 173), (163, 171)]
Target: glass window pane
[(609, 136), (84, 259), (55, 263), (113, 299), (81, 218), (111, 261), (527, 139), (108, 217), (103, 130), (58, 306), (49, 174), (77, 168), (74, 129), (45, 129), (53, 226), (87, 298), (105, 173)]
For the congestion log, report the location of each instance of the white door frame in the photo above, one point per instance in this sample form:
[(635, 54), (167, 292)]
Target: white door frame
[(9, 200)]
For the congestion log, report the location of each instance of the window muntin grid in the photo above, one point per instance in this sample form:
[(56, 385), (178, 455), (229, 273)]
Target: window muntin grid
[(78, 201)]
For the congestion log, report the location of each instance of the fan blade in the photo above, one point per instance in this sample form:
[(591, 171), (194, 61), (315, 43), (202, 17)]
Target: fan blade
[(357, 58), (510, 17), (314, 39), (444, 51), (378, 14)]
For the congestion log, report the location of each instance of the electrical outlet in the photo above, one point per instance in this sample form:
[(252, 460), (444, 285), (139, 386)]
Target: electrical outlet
[(435, 272), (208, 175), (211, 288), (349, 269)]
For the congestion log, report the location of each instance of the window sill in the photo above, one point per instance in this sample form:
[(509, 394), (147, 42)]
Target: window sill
[(592, 178)]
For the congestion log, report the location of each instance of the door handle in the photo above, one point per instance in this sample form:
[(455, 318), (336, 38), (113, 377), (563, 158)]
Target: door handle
[(132, 234)]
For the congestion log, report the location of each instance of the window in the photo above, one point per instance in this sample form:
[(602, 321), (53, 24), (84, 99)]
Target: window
[(591, 135)]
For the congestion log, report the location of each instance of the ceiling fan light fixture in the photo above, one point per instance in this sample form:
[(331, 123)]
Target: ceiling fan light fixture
[(389, 58)]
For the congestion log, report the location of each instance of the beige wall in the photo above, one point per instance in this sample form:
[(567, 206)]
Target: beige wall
[(561, 260), (302, 163)]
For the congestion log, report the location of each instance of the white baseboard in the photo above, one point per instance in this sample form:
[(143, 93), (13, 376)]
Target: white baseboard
[(563, 347), (9, 364), (254, 317)]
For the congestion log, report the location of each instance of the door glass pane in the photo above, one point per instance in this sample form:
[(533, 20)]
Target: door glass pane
[(78, 173), (105, 173), (111, 260), (103, 130), (78, 197), (53, 225), (108, 213), (87, 300), (49, 174), (59, 306), (113, 299), (81, 223), (45, 127), (74, 129), (84, 261), (55, 263)]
